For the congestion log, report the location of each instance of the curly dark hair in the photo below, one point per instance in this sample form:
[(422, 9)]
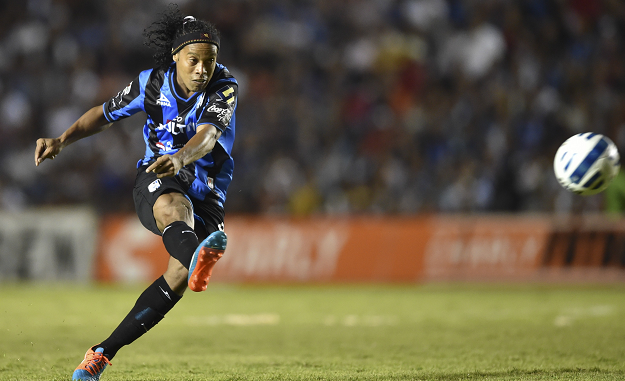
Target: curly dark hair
[(161, 34)]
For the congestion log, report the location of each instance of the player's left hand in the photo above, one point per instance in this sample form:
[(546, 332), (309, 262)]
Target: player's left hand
[(165, 166)]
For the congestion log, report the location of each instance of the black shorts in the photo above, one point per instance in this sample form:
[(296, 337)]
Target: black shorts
[(209, 216)]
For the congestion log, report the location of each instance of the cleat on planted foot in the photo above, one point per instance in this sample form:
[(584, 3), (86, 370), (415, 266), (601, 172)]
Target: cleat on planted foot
[(92, 366)]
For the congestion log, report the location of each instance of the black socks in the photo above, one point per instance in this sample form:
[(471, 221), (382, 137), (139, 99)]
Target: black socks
[(180, 241), (149, 309)]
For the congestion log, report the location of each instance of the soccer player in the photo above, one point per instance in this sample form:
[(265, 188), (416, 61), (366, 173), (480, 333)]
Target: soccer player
[(181, 182)]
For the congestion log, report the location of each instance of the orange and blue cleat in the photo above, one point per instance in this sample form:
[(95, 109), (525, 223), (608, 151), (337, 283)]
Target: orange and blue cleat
[(204, 258), (92, 366)]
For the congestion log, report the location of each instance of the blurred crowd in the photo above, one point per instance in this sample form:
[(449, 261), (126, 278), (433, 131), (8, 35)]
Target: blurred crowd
[(355, 106)]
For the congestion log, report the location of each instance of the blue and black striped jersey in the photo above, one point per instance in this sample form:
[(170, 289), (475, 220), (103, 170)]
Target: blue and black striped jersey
[(173, 120)]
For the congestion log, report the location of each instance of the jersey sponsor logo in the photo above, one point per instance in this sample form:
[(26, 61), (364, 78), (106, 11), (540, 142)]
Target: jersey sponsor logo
[(163, 101), (154, 185), (165, 146), (224, 114), (176, 126)]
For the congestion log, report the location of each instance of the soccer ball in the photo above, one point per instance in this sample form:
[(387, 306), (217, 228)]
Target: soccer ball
[(586, 163)]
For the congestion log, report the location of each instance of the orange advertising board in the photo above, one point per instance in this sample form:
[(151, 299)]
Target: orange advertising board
[(373, 248), (279, 249), (128, 252), (486, 247), (324, 249)]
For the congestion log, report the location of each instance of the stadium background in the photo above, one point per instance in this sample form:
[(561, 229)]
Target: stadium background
[(393, 213), (395, 116)]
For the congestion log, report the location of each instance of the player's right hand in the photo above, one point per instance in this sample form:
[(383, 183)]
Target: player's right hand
[(165, 166), (47, 149)]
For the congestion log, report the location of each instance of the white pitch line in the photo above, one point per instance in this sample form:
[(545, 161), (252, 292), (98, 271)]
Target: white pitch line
[(234, 319)]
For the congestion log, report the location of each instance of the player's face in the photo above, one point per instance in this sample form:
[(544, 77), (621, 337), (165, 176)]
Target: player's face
[(195, 65)]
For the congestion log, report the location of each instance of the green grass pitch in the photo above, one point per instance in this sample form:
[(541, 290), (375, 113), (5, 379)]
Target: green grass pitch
[(346, 332)]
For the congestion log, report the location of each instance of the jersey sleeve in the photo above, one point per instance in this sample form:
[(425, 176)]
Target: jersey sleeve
[(127, 102), (219, 107)]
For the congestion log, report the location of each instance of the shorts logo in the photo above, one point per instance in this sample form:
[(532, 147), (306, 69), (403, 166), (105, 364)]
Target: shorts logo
[(154, 185), (210, 182), (163, 101)]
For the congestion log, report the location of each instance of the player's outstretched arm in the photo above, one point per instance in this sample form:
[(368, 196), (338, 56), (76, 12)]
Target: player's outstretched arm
[(91, 122), (197, 147)]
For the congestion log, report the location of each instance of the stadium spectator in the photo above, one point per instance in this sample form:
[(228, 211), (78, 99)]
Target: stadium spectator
[(400, 106)]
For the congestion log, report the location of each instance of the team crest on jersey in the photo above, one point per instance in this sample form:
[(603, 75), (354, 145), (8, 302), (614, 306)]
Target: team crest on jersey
[(163, 101), (226, 94)]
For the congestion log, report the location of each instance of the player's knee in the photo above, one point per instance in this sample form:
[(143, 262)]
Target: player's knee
[(171, 207)]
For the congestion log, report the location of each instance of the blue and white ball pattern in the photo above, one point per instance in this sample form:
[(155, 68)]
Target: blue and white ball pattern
[(586, 163)]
